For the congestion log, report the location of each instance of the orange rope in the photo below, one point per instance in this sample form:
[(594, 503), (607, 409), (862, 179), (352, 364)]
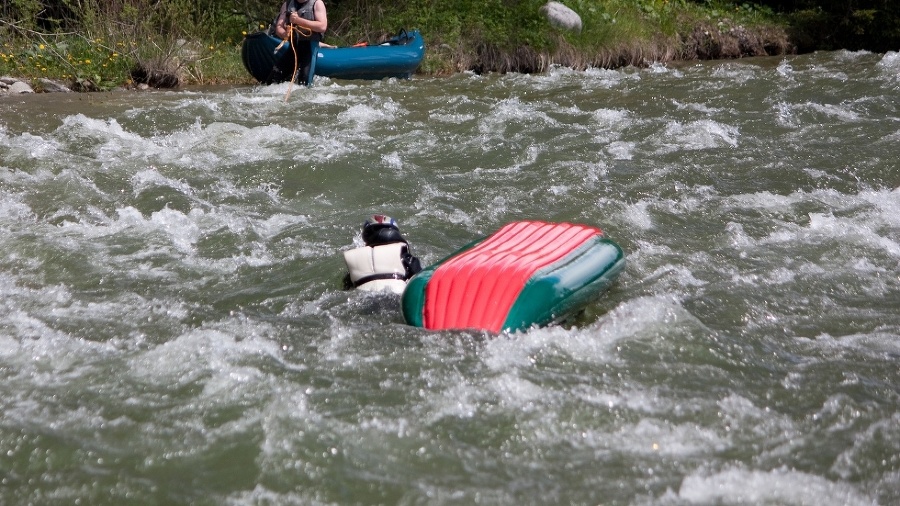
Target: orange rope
[(299, 29)]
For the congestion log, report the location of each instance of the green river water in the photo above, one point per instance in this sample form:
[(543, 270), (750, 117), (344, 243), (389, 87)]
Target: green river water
[(173, 328)]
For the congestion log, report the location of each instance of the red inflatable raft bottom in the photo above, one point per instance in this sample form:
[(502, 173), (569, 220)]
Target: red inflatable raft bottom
[(528, 273)]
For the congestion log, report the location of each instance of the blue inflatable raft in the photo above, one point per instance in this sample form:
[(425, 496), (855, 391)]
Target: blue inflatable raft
[(398, 57)]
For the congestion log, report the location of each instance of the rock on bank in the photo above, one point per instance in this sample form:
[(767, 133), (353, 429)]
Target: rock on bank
[(15, 86)]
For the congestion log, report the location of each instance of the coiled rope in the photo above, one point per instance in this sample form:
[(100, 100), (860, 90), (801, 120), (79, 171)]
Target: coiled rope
[(304, 32)]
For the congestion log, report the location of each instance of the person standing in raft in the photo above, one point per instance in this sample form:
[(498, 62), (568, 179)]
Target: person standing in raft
[(302, 22), (385, 262)]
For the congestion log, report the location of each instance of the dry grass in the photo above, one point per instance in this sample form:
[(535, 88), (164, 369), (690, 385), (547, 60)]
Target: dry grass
[(704, 41)]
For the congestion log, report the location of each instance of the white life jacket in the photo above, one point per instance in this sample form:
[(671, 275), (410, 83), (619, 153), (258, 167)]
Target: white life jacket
[(378, 268)]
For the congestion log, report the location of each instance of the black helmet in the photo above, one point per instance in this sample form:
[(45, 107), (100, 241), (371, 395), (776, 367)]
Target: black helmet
[(381, 229)]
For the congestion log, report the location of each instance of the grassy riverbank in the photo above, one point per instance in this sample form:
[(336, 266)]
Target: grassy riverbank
[(179, 42)]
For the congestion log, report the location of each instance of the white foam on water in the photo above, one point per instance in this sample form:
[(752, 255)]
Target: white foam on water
[(198, 145), (887, 204), (695, 135), (690, 199), (606, 425), (596, 343), (785, 70), (31, 147), (359, 117), (608, 127), (889, 68), (180, 229), (652, 437), (183, 103), (743, 419), (167, 232), (288, 422), (878, 342), (512, 111), (889, 61), (558, 190), (661, 68), (12, 208), (776, 277), (427, 206), (638, 215), (262, 494), (839, 111), (697, 107), (266, 103), (151, 178), (890, 139), (37, 354), (277, 223), (764, 201), (451, 119), (211, 356), (612, 118), (56, 319), (848, 229), (608, 78), (736, 73), (517, 393), (738, 237), (822, 72), (881, 437), (847, 55), (560, 77), (507, 353), (42, 354), (281, 89), (784, 113), (217, 143), (84, 127), (781, 276), (873, 220), (452, 396), (739, 485)]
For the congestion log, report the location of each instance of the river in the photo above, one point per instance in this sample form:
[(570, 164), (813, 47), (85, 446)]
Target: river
[(173, 328)]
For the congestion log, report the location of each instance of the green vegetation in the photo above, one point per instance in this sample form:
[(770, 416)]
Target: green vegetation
[(841, 24), (100, 44)]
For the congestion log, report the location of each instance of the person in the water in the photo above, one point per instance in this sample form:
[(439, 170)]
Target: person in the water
[(385, 262)]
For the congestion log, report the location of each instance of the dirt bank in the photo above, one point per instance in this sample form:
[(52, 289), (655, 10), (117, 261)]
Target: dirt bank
[(705, 41)]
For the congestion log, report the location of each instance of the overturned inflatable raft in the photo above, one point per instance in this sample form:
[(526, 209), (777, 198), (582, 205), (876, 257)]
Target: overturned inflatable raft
[(528, 273)]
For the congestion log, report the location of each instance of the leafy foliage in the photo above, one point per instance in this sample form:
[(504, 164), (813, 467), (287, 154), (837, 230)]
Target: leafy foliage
[(103, 40), (831, 24)]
